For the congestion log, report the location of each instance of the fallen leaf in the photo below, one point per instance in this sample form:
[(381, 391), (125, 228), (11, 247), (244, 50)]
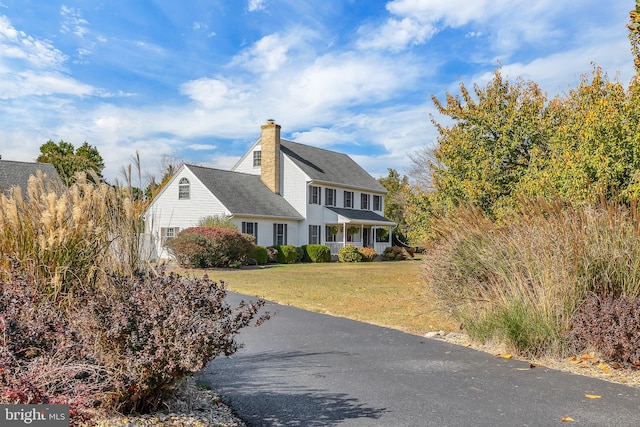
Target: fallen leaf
[(506, 356), (592, 396), (531, 366), (604, 368), (566, 419)]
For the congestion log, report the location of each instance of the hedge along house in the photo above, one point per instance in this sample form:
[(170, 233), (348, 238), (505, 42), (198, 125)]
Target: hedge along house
[(281, 192)]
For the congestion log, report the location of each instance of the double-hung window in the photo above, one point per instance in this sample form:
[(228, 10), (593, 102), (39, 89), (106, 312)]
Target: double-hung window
[(167, 233), (183, 189), (279, 234), (257, 158), (377, 203), (314, 234), (314, 195), (348, 199), (364, 201), (251, 228), (330, 196)]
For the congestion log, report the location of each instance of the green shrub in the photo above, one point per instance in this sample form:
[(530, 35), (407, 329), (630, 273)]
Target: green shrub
[(205, 247), (260, 255), (349, 253), (287, 254), (316, 253), (368, 254)]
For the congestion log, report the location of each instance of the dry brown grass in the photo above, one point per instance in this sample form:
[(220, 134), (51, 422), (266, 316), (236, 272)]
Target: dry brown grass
[(388, 294)]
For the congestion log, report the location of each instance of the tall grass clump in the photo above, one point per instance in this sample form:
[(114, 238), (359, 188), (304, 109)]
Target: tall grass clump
[(86, 322), (65, 239), (521, 280)]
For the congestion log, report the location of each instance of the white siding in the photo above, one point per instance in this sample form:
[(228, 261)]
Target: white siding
[(294, 189), (168, 211), (246, 163)]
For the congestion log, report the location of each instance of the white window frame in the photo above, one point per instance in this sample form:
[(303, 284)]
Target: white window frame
[(167, 233), (257, 158), (330, 196), (365, 201), (250, 228), (377, 202), (315, 234), (184, 189), (314, 195), (279, 234), (350, 199)]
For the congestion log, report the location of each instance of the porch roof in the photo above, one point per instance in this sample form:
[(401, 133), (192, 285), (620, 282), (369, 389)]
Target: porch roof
[(345, 215)]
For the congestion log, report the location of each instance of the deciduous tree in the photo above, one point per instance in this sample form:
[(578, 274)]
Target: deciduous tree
[(68, 161)]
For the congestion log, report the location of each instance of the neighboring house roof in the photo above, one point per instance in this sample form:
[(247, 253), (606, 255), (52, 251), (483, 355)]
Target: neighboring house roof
[(13, 173), (361, 215), (329, 166), (244, 194)]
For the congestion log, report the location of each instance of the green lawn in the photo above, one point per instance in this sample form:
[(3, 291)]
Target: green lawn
[(383, 293)]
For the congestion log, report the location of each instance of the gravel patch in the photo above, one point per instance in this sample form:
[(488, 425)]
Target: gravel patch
[(192, 406)]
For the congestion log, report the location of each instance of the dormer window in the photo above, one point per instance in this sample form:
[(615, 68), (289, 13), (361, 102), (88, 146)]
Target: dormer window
[(257, 158), (183, 189)]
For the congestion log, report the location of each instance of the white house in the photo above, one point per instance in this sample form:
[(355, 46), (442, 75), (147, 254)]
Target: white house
[(281, 192)]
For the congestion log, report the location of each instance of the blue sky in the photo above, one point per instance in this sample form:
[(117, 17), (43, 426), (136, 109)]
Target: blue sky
[(195, 79)]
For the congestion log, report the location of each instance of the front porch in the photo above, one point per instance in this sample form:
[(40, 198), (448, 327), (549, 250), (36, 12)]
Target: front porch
[(360, 228)]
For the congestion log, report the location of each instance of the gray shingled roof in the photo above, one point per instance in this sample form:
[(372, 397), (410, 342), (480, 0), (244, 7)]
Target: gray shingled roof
[(329, 166), (244, 194), (13, 173), (360, 215)]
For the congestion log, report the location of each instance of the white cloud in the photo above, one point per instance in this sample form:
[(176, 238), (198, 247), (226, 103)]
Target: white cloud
[(216, 93), (201, 147), (18, 45), (414, 22), (255, 5), (267, 55), (73, 22)]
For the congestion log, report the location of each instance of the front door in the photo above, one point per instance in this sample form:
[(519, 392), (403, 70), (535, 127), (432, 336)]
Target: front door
[(366, 237)]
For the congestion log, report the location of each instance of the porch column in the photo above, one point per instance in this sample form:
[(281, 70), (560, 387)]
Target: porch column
[(344, 234)]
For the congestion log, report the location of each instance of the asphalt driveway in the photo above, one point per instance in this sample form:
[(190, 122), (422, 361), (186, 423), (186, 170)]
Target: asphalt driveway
[(307, 369)]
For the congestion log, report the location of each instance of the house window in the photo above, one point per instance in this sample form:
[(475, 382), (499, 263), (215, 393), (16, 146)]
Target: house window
[(314, 234), (314, 195), (330, 232), (279, 234), (257, 158), (377, 203), (348, 199), (364, 201), (167, 233), (183, 189), (330, 196), (251, 228)]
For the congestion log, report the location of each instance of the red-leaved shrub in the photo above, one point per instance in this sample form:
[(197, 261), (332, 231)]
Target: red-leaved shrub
[(610, 326), (125, 347), (204, 247)]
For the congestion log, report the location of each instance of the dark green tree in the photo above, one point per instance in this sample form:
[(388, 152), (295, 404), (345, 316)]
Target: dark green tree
[(395, 201), (68, 160)]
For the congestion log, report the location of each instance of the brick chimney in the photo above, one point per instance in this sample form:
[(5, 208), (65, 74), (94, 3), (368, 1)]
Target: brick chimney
[(270, 146)]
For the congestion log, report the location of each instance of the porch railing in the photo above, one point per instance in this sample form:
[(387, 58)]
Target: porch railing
[(335, 247)]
